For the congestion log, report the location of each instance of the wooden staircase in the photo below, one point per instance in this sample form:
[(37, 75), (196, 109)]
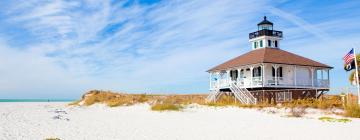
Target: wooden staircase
[(242, 94), (213, 96)]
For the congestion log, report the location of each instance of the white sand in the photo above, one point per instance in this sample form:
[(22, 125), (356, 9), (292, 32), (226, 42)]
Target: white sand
[(36, 121)]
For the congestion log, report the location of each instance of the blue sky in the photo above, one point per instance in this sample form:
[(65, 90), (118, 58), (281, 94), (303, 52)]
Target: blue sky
[(62, 48)]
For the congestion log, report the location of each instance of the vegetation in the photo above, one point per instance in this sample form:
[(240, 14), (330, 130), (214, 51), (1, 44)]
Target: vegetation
[(329, 119), (176, 102), (166, 107), (120, 99), (223, 101), (52, 139), (329, 101), (352, 110), (74, 103)]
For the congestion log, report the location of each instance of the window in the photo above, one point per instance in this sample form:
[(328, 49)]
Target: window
[(261, 43), (241, 73), (233, 74), (279, 72), (276, 44), (255, 45), (265, 27), (222, 75), (269, 43), (257, 72)]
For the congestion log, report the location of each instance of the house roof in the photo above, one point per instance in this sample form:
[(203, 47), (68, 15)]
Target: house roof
[(268, 55)]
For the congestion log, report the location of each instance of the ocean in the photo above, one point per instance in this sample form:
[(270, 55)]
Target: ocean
[(37, 100)]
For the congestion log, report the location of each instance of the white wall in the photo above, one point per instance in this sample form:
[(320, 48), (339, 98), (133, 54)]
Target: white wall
[(303, 76)]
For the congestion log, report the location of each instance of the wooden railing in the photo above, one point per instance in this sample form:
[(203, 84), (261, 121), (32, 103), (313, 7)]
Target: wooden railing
[(242, 94), (279, 82)]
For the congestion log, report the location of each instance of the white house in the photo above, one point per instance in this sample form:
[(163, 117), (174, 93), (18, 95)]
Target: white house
[(268, 73)]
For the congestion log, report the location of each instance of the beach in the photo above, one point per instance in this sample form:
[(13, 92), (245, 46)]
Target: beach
[(41, 120)]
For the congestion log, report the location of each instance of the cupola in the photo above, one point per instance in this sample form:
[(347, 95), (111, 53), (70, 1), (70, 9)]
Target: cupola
[(265, 36)]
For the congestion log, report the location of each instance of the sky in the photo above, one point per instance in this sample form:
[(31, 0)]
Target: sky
[(63, 48)]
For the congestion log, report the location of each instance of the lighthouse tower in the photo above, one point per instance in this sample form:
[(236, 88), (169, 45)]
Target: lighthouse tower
[(265, 36)]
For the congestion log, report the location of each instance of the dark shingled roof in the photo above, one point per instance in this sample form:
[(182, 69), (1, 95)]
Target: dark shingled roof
[(268, 55), (265, 21)]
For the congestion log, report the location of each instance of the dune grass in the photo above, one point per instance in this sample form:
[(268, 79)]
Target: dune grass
[(352, 110), (52, 139), (111, 99), (74, 103), (324, 103), (166, 107), (177, 102), (120, 99)]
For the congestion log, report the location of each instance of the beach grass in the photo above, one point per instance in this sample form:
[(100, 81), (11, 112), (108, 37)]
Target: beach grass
[(52, 139), (177, 102), (324, 103), (113, 99), (352, 110), (74, 103), (166, 107), (120, 99)]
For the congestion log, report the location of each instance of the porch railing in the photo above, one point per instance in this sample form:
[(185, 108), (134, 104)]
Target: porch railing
[(273, 82)]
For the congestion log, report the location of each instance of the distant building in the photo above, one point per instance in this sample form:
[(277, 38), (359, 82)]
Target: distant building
[(268, 73)]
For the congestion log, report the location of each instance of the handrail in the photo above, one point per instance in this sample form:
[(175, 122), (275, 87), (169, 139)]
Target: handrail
[(242, 94), (248, 94), (213, 96)]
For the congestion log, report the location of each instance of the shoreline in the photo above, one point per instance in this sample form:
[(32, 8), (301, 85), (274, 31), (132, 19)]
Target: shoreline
[(36, 100)]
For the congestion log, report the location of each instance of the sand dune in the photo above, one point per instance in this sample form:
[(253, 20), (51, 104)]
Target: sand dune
[(36, 121)]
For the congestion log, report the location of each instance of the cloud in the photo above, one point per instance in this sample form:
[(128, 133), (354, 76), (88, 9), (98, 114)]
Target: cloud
[(162, 47), (62, 48), (300, 23)]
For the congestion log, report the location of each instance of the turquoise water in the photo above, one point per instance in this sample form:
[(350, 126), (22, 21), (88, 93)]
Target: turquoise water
[(36, 100)]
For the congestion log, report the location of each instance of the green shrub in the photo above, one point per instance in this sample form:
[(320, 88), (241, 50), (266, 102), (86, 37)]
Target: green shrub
[(329, 119)]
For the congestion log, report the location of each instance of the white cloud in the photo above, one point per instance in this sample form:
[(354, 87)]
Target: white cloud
[(165, 47)]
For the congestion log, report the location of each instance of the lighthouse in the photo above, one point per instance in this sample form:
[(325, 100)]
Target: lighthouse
[(268, 73)]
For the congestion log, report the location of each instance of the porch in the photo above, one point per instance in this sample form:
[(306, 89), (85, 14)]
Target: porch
[(267, 75)]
